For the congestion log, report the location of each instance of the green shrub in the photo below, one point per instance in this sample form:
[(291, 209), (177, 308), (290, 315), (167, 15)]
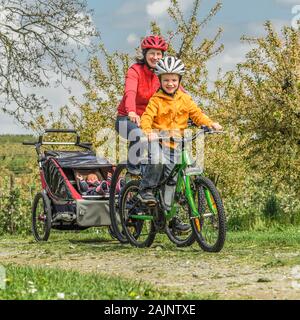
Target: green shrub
[(15, 207), (272, 209)]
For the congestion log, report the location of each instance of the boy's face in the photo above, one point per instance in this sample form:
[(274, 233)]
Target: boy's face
[(170, 82)]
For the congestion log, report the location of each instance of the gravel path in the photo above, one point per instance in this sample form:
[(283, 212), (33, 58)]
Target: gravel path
[(240, 274)]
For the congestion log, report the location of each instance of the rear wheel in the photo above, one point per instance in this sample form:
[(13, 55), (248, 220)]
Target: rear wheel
[(140, 233), (181, 238), (41, 217), (111, 232), (114, 200), (210, 227)]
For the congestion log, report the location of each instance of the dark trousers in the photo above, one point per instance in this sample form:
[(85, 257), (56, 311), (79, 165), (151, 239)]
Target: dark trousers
[(162, 161), (131, 132)]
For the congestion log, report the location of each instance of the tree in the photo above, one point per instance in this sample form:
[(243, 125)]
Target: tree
[(258, 104), (39, 40), (105, 83), (264, 106)]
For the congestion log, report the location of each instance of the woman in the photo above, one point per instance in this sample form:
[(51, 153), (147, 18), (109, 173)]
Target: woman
[(140, 85)]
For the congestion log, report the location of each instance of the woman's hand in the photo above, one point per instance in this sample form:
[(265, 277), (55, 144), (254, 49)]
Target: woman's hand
[(216, 126), (134, 118)]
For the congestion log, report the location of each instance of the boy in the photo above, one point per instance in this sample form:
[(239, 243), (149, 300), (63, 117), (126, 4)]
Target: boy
[(169, 109)]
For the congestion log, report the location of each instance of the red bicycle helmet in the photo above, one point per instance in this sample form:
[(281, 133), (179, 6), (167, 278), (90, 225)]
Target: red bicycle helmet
[(154, 42)]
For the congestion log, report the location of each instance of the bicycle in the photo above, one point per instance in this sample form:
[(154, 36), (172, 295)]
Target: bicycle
[(181, 239), (195, 195)]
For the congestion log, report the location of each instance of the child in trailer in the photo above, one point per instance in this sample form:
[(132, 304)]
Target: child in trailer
[(169, 111), (93, 186)]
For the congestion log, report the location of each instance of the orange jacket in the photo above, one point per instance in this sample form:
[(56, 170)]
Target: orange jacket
[(164, 112)]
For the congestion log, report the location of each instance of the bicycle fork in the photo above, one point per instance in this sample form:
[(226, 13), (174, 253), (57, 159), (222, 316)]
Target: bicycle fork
[(195, 214)]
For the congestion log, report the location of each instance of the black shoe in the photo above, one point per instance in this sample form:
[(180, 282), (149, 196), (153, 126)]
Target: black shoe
[(177, 224), (147, 197), (134, 171)]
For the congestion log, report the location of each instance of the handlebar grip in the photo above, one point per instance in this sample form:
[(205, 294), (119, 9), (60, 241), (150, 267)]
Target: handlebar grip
[(29, 143), (191, 123), (206, 129), (60, 131)]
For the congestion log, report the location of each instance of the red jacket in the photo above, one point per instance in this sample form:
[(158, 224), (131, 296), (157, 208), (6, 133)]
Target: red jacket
[(140, 85)]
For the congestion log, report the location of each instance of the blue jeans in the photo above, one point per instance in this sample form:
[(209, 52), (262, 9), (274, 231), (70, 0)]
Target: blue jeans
[(131, 132)]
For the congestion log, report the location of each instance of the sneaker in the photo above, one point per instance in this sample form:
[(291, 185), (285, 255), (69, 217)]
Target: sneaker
[(134, 171), (147, 197), (177, 224)]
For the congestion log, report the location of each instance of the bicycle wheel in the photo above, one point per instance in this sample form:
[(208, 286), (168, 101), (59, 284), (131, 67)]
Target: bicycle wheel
[(210, 227), (41, 217), (114, 199), (181, 238), (140, 233)]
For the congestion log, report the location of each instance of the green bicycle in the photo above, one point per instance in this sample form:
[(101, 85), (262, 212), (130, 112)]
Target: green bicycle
[(196, 200)]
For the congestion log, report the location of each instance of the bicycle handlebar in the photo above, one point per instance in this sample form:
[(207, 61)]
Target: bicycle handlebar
[(203, 130)]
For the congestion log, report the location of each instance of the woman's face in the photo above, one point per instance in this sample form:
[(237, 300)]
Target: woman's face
[(153, 56), (170, 82)]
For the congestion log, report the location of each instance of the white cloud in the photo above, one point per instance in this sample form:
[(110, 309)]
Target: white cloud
[(228, 59), (132, 39), (158, 8), (10, 126), (130, 7), (57, 97)]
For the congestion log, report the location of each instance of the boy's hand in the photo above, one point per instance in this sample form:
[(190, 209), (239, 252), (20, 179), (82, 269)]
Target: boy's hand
[(134, 118), (80, 177), (152, 136), (216, 126)]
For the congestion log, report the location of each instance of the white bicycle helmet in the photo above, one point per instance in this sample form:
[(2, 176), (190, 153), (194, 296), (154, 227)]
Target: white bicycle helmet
[(169, 65)]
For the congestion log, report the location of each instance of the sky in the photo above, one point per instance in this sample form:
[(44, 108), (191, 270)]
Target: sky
[(122, 23)]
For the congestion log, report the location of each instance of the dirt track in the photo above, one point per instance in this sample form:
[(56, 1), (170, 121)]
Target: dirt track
[(246, 273)]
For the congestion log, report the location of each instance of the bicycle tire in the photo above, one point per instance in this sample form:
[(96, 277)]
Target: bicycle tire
[(136, 239), (198, 225), (113, 210), (45, 216), (174, 237)]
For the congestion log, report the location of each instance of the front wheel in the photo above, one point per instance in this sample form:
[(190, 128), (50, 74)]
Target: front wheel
[(139, 232), (41, 217), (210, 227)]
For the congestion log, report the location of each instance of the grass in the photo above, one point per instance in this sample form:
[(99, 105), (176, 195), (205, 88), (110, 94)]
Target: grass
[(32, 283), (288, 236), (98, 241), (262, 250)]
